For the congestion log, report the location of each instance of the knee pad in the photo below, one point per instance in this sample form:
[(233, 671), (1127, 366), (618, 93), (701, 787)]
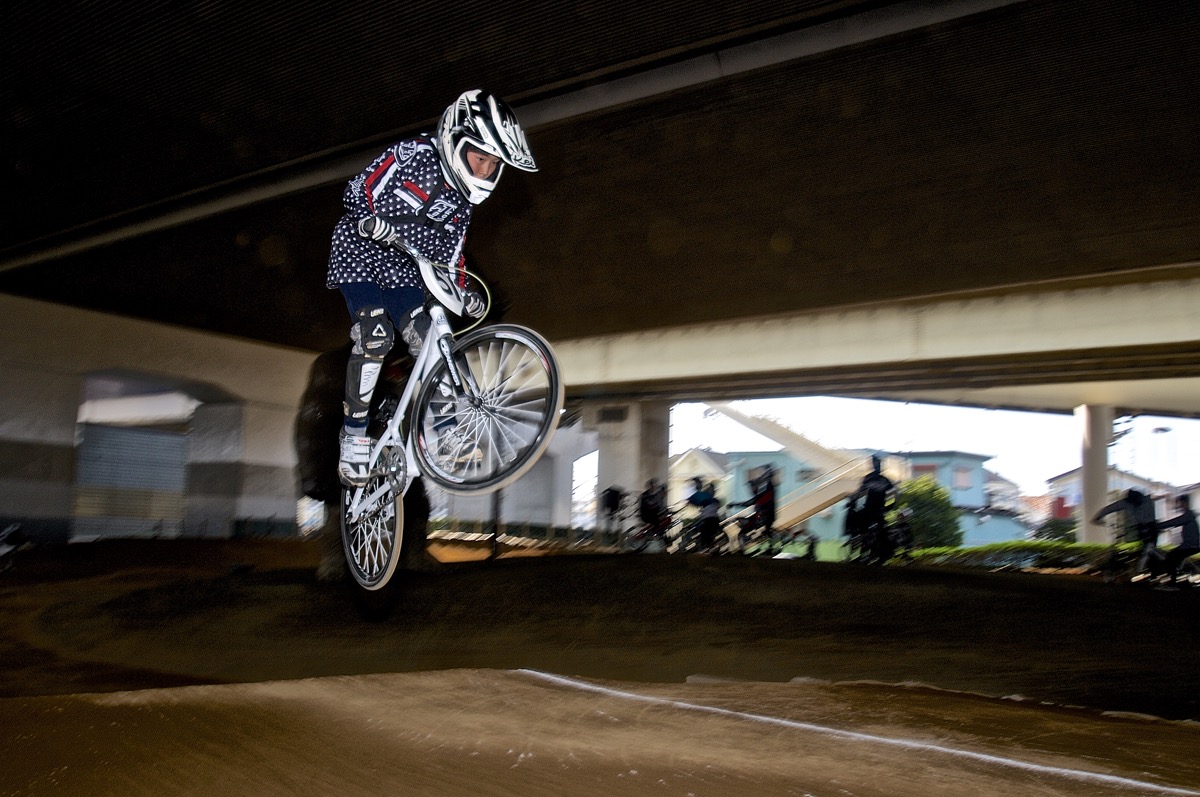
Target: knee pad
[(373, 333)]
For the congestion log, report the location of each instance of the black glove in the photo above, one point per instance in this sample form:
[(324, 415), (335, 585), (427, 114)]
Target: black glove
[(378, 229), (473, 304)]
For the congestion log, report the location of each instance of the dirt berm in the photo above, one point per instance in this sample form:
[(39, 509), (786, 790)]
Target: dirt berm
[(130, 615)]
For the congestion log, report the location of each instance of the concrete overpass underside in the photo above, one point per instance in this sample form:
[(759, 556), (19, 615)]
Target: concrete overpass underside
[(700, 161), (1132, 346)]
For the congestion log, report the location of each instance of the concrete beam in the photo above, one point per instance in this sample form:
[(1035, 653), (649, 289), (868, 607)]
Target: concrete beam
[(1020, 327), (93, 342)]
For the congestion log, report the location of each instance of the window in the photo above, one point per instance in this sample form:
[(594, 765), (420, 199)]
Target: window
[(962, 478), (924, 470)]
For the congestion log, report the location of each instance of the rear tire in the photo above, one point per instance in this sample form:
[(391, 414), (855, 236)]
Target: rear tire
[(378, 602)]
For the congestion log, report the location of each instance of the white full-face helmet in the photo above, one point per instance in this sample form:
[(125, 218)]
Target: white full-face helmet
[(486, 122)]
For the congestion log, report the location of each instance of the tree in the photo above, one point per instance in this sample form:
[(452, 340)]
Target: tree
[(1056, 530), (934, 520)]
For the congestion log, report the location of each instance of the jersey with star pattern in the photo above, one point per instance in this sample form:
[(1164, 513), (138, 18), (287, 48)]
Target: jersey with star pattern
[(404, 185)]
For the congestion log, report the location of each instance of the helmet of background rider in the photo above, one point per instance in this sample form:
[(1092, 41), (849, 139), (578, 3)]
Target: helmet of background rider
[(486, 122)]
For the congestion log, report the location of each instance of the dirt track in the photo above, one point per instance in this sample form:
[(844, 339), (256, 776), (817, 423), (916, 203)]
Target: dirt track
[(462, 716)]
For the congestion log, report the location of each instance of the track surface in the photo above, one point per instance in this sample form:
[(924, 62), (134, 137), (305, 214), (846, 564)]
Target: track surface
[(139, 671)]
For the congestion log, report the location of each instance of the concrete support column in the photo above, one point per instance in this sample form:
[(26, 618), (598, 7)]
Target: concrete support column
[(634, 438), (1095, 421), (241, 471), (38, 407)]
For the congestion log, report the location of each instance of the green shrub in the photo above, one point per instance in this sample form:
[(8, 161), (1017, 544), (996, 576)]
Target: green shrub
[(1020, 555), (934, 520)]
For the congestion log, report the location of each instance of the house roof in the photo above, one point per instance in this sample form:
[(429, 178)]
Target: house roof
[(992, 476), (1112, 469), (718, 461), (946, 454)]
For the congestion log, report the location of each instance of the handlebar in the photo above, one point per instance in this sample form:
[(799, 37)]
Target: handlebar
[(440, 279)]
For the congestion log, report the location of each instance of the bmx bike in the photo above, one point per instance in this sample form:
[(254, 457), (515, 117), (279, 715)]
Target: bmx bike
[(1134, 558), (643, 537), (475, 414)]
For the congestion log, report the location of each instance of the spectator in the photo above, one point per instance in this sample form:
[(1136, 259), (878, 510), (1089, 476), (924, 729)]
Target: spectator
[(1139, 512), (762, 489), (1141, 525), (704, 498), (902, 534), (876, 493), (852, 529), (610, 504)]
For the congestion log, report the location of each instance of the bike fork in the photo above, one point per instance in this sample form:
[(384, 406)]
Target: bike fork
[(440, 327)]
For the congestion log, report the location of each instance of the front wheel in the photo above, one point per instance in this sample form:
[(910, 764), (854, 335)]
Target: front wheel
[(480, 443)]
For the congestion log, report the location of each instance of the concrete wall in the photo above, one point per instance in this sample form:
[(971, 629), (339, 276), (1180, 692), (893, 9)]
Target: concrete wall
[(37, 441), (542, 496), (633, 439), (242, 459)]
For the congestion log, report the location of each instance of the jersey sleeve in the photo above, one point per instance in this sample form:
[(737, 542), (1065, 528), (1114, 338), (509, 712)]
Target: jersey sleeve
[(398, 183)]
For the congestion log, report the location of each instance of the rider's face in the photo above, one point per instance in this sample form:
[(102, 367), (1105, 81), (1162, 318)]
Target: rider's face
[(482, 164)]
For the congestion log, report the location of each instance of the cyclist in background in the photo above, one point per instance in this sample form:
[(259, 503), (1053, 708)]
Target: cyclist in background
[(876, 492), (419, 192), (652, 507), (1139, 512), (704, 498), (1139, 509), (762, 498), (1189, 537)]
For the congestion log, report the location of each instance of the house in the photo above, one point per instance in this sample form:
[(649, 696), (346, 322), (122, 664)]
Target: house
[(1002, 493), (1037, 509), (812, 482), (1067, 490), (988, 504)]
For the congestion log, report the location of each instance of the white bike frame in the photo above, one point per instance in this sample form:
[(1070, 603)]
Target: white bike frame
[(446, 293)]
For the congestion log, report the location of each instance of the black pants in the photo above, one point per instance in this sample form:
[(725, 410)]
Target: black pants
[(1175, 558)]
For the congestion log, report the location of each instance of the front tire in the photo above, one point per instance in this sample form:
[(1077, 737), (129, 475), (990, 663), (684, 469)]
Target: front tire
[(471, 447)]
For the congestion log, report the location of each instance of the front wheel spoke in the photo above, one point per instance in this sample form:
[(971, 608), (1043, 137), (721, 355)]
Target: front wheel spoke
[(518, 416), (503, 423), (513, 378), (507, 433)]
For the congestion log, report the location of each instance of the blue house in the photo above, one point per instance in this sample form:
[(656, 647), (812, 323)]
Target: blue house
[(982, 519), (790, 473)]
